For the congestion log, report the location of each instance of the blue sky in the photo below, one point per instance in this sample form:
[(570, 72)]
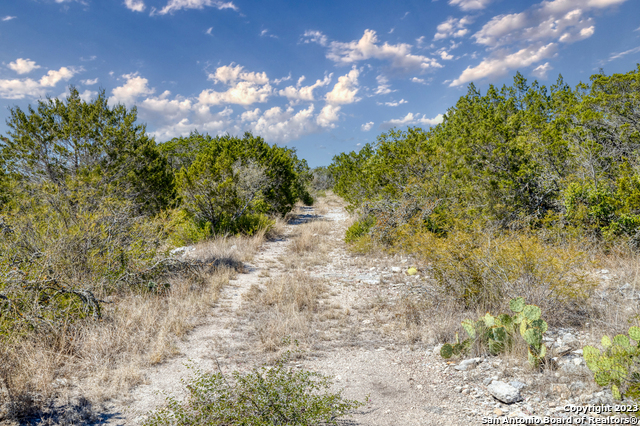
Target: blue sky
[(324, 77)]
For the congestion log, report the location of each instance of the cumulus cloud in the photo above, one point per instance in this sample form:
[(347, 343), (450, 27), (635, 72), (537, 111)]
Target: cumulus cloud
[(175, 5), (8, 18), (19, 89), (527, 38), (452, 27), (315, 37), (413, 119), (299, 93), (563, 20), (23, 66), (328, 116), (368, 47), (367, 126), (134, 87), (500, 65), (418, 80), (279, 125), (90, 82), (245, 88), (541, 70), (345, 90), (135, 5), (470, 4)]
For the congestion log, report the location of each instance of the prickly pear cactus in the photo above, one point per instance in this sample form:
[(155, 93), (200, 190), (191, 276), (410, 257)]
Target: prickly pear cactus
[(496, 333), (618, 365)]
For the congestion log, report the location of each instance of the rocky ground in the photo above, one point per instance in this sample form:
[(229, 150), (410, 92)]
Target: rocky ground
[(360, 342)]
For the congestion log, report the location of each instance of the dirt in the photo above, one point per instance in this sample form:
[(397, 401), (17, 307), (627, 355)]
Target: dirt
[(404, 383)]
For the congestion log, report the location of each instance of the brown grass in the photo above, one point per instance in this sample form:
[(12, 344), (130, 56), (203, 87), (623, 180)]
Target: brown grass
[(285, 307), (106, 358)]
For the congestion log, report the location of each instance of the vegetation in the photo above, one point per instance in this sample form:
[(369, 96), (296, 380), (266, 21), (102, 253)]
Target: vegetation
[(275, 395), (511, 190), (617, 365), (496, 334), (90, 206)]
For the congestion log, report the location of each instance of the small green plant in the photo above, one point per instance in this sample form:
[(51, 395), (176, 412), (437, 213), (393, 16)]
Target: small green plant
[(496, 333), (266, 396), (618, 365), (359, 229)]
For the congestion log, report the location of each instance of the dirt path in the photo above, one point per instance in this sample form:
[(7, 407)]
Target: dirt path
[(354, 341)]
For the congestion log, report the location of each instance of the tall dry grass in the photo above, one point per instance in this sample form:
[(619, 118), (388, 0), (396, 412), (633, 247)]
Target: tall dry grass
[(102, 359)]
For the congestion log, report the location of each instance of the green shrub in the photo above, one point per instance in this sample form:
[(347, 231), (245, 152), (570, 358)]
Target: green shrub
[(266, 396), (359, 229)]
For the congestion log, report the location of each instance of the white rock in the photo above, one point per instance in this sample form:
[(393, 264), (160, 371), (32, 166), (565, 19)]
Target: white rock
[(396, 269), (504, 392)]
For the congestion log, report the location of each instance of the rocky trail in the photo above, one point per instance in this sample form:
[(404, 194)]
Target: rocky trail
[(357, 340)]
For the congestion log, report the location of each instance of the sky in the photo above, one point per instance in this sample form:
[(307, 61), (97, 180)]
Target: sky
[(321, 76)]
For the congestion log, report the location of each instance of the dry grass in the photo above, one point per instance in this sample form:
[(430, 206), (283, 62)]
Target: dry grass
[(106, 358), (285, 307)]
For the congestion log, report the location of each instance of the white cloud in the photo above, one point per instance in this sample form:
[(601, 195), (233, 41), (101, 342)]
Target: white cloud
[(299, 93), (398, 55), (175, 5), (23, 66), (8, 18), (345, 90), (280, 125), (134, 5), (315, 37), (88, 95), (418, 80), (563, 20), (250, 115), (619, 55), (541, 71), (209, 30), (245, 88), (170, 110), (413, 119), (452, 27), (445, 55), (19, 89), (134, 87), (230, 74), (265, 33), (396, 103), (90, 82), (383, 86), (53, 77), (328, 116), (367, 126), (502, 64), (470, 4)]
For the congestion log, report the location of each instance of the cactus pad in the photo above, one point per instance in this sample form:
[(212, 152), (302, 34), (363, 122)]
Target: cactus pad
[(446, 351), (517, 304)]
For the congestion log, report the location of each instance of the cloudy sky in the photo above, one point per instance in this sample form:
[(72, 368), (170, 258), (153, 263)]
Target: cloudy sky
[(321, 76)]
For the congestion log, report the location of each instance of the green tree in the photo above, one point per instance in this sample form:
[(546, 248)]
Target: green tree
[(71, 140)]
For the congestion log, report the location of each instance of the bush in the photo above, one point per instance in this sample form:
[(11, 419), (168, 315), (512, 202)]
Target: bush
[(481, 270), (266, 396), (359, 229)]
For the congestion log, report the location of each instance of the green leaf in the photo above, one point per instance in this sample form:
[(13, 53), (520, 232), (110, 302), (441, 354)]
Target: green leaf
[(634, 333), (605, 341), (616, 392)]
